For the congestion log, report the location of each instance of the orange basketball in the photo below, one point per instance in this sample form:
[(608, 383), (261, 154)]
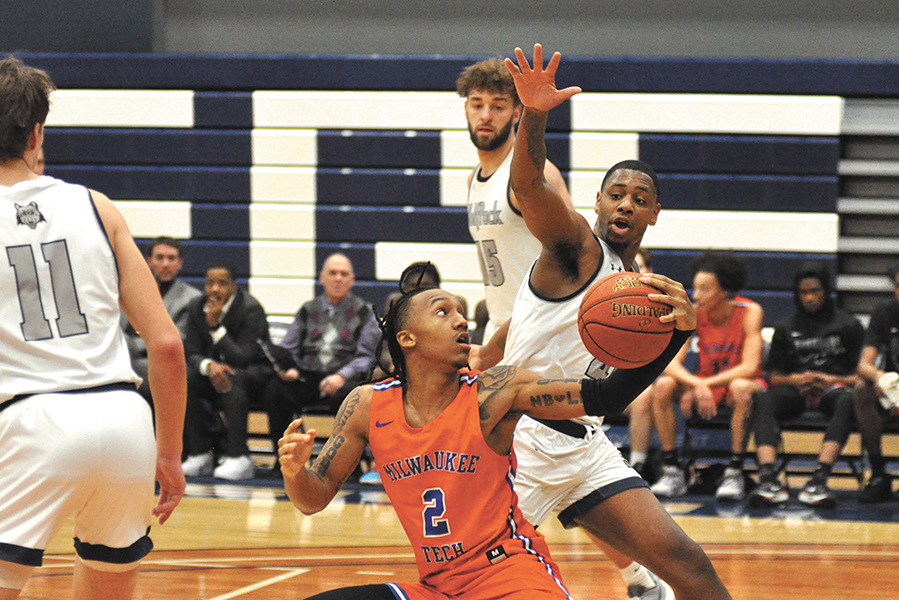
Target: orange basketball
[(620, 325)]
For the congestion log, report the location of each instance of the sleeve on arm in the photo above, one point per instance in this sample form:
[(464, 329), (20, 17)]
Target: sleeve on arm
[(613, 394)]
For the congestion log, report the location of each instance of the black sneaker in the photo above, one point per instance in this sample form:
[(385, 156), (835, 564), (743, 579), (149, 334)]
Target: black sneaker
[(878, 489), (817, 495), (769, 493)]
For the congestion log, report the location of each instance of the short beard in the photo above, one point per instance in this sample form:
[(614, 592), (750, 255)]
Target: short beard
[(493, 144)]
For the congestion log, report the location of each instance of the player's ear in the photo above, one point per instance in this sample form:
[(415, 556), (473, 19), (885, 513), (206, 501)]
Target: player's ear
[(655, 214), (406, 338), (516, 113)]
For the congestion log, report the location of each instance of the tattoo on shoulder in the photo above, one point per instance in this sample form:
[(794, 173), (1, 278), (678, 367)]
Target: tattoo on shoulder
[(347, 408)]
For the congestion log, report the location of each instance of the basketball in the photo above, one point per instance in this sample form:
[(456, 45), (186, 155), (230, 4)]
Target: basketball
[(620, 325)]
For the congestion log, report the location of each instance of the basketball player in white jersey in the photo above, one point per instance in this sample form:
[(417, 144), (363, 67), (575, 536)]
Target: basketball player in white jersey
[(571, 466), (506, 248), (76, 439)]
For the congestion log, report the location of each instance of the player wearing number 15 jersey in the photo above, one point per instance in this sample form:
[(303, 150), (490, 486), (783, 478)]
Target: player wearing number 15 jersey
[(76, 439), (506, 249)]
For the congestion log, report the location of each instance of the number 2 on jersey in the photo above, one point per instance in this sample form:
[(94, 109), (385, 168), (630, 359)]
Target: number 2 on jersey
[(434, 524), (35, 326)]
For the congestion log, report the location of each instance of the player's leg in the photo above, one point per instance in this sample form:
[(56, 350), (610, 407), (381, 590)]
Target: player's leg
[(739, 397), (634, 523), (673, 481), (94, 584), (837, 405), (868, 414), (640, 429), (770, 407), (13, 578), (380, 591), (111, 528)]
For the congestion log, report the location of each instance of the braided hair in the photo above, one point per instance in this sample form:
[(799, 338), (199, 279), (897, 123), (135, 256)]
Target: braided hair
[(391, 324)]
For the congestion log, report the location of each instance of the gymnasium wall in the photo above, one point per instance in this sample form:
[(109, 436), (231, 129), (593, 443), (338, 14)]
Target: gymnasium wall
[(275, 162)]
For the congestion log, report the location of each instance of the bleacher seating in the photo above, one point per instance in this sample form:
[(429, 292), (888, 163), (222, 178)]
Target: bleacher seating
[(275, 162)]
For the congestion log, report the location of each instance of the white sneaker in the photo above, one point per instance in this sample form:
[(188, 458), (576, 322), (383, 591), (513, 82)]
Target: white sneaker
[(235, 468), (671, 484), (661, 590), (889, 383), (198, 465), (732, 488)]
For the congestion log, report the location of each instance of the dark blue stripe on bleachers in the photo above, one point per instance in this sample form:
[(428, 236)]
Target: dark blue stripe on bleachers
[(220, 221), (361, 255), (211, 184), (871, 78), (558, 150), (391, 224), (382, 187), (227, 110), (767, 270), (166, 147), (749, 192), (199, 254), (776, 306), (791, 155), (375, 292), (379, 149)]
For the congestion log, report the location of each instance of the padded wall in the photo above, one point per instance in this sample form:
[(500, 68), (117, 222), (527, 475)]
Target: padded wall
[(273, 163)]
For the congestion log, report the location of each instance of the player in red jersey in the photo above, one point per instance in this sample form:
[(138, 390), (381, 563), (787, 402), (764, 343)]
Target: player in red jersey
[(442, 437)]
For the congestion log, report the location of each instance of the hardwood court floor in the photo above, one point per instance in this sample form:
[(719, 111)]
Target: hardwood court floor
[(228, 541)]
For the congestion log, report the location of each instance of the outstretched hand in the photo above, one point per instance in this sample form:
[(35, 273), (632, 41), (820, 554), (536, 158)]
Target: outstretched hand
[(683, 314), (537, 87)]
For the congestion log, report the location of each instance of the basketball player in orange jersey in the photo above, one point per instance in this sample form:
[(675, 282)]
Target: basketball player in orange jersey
[(506, 248), (442, 438), (730, 342), (570, 467)]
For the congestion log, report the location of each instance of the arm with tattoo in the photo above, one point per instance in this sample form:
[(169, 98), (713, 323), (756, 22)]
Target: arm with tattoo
[(312, 489)]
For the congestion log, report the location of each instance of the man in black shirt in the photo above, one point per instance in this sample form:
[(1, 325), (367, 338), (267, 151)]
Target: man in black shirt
[(878, 380), (811, 364)]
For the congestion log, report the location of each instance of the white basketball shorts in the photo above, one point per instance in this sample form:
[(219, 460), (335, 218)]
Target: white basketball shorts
[(564, 474), (91, 455)]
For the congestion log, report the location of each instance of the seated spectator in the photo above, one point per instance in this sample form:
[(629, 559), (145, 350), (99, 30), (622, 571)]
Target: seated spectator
[(225, 365), (481, 316), (729, 335), (327, 351), (811, 364), (165, 261), (878, 380)]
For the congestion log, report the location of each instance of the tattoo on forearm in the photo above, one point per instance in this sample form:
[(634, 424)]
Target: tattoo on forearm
[(323, 462), (532, 131), (550, 399)]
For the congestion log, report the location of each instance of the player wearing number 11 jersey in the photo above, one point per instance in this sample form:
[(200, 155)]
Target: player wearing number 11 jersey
[(76, 439)]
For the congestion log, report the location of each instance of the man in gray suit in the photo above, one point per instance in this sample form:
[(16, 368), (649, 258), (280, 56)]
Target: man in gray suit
[(165, 260)]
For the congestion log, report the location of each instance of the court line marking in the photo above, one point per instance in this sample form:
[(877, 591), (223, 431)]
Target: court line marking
[(261, 584)]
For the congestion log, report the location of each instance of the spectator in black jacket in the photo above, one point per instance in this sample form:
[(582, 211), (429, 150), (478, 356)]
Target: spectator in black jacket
[(225, 365), (811, 364)]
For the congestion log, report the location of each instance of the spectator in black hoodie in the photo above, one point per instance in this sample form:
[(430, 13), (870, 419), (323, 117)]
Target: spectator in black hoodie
[(811, 364)]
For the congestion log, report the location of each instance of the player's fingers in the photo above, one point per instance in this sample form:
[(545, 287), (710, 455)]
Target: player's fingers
[(522, 61), (538, 57), (553, 63)]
